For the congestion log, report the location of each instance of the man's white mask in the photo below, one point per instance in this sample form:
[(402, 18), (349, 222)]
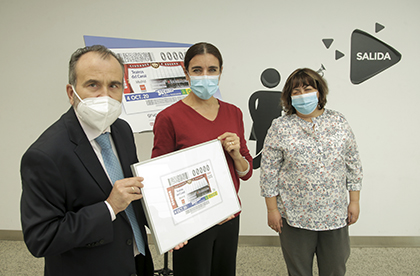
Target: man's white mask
[(98, 112)]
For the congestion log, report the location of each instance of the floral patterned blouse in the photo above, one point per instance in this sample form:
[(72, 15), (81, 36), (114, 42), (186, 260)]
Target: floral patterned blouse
[(310, 167)]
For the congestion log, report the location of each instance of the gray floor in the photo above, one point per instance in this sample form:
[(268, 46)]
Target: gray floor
[(15, 260)]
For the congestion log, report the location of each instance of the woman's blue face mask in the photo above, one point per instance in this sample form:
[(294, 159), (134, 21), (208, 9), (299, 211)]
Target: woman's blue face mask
[(205, 86), (305, 103)]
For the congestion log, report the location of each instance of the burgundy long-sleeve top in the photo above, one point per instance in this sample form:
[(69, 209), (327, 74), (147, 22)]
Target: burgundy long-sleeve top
[(179, 127)]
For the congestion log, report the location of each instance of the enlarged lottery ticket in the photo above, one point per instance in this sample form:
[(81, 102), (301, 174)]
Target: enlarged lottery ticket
[(186, 192), (153, 79), (191, 191)]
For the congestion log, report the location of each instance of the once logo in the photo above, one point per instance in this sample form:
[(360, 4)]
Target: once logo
[(369, 56)]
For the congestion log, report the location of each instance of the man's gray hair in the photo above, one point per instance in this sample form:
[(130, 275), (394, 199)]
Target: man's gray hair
[(100, 49)]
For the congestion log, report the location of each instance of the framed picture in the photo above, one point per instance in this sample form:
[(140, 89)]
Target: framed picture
[(186, 192)]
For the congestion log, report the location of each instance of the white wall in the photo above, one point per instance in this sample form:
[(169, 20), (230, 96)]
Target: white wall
[(38, 37)]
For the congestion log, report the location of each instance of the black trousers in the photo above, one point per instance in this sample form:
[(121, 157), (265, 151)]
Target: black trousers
[(332, 249), (212, 253), (144, 264)]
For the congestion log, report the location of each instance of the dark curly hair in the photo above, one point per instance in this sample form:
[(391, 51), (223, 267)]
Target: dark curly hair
[(303, 77)]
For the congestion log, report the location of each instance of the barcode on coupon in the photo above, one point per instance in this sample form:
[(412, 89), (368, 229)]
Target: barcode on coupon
[(196, 208), (163, 101), (178, 178), (137, 57)]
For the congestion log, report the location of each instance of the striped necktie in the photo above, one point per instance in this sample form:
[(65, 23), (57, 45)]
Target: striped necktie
[(114, 170)]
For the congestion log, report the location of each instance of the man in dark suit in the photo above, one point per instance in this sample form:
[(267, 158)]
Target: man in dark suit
[(72, 213)]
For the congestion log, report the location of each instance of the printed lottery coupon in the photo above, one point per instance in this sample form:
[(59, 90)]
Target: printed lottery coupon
[(153, 79), (191, 190)]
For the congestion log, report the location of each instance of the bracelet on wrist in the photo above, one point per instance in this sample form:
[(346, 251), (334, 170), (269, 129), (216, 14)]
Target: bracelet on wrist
[(240, 174)]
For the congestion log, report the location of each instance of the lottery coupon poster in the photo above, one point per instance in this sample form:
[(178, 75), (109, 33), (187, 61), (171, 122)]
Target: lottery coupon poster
[(153, 77), (153, 80), (186, 192)]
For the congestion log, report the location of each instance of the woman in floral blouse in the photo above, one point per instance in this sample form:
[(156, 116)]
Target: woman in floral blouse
[(310, 168)]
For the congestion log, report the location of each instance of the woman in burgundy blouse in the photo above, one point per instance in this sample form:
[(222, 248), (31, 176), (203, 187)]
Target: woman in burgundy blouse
[(198, 118)]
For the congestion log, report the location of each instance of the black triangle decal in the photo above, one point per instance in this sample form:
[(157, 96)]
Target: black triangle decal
[(338, 55), (369, 56), (379, 27), (327, 42)]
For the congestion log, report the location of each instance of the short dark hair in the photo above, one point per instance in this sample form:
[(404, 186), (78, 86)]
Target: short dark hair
[(200, 49), (100, 49), (305, 77)]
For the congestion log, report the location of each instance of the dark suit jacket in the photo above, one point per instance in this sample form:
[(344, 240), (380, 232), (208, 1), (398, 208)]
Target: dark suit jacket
[(64, 217)]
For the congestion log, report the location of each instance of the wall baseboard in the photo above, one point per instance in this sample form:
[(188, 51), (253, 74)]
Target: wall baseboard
[(11, 235), (355, 241)]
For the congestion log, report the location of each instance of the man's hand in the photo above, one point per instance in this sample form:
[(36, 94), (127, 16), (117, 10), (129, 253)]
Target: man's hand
[(124, 192)]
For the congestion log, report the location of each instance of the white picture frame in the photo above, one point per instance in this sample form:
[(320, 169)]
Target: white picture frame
[(186, 192)]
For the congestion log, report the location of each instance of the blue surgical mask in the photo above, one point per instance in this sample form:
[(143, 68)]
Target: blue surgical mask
[(305, 103), (205, 86)]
